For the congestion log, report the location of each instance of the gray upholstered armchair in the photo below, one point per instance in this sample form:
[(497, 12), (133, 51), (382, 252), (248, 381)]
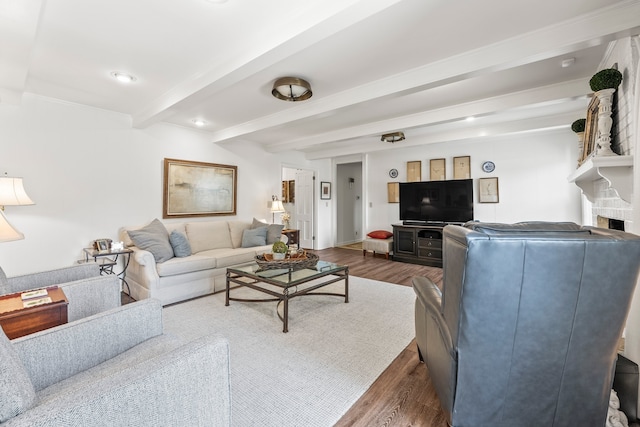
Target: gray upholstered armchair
[(86, 290), (116, 368), (526, 328)]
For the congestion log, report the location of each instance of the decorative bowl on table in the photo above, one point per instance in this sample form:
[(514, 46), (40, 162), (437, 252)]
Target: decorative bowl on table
[(295, 260)]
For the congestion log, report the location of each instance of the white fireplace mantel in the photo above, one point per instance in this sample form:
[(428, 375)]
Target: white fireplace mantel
[(616, 170)]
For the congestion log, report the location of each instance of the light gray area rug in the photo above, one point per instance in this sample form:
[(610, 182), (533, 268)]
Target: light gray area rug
[(313, 374)]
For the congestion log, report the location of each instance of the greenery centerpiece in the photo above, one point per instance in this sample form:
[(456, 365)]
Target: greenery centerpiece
[(604, 83), (579, 125), (609, 78), (279, 249)]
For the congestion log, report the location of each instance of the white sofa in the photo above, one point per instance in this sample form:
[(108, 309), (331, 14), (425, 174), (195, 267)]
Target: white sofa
[(215, 245)]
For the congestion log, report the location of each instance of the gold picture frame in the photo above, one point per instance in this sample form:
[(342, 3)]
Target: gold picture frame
[(393, 192), (590, 129), (488, 190), (285, 192), (462, 167), (193, 189), (414, 171), (437, 169)]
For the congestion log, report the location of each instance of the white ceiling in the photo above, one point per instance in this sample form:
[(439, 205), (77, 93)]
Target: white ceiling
[(376, 66)]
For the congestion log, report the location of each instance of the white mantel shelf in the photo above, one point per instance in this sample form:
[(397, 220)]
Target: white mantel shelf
[(616, 170)]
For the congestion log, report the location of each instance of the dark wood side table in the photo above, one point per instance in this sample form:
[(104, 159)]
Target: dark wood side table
[(17, 320), (293, 235)]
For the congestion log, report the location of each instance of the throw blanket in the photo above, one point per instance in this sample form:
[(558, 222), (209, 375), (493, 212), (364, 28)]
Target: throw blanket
[(615, 417)]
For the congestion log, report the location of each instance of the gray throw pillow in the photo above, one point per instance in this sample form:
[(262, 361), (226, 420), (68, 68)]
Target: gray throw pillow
[(4, 283), (155, 239), (16, 389), (180, 244), (274, 231), (254, 237)]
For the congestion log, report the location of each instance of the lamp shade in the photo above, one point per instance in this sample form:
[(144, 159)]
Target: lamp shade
[(7, 232), (276, 206), (291, 89), (12, 192)]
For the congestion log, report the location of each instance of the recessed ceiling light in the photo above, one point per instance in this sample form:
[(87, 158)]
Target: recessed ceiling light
[(470, 118), (123, 77), (568, 62), (199, 122)]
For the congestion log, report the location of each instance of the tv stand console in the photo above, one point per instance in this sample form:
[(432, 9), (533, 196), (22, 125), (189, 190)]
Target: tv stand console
[(418, 244)]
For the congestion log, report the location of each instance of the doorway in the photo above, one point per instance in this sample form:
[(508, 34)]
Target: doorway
[(349, 203), (298, 199)]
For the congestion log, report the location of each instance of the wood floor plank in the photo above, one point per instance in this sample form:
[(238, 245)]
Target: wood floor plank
[(403, 395)]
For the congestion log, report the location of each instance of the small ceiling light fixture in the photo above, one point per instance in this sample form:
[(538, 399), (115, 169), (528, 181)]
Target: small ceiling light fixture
[(568, 62), (470, 118), (123, 77), (392, 137), (291, 89), (199, 122)]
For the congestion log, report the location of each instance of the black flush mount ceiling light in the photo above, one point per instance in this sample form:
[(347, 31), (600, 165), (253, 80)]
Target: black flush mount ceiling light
[(393, 137), (291, 89)]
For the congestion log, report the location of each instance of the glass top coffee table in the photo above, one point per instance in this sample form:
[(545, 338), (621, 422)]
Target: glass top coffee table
[(284, 284)]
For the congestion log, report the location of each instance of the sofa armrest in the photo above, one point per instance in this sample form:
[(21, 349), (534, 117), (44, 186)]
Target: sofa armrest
[(91, 296), (53, 277), (142, 257), (187, 386), (54, 354)]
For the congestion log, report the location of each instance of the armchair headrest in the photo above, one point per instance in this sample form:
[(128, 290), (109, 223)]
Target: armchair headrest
[(537, 227)]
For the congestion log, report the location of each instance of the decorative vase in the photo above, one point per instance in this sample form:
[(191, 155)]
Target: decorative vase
[(278, 256), (580, 146), (603, 137), (286, 225)]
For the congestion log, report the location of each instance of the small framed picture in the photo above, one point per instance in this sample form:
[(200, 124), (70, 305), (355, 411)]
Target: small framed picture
[(462, 167), (488, 190), (102, 245), (437, 169), (393, 192), (414, 171), (325, 190)]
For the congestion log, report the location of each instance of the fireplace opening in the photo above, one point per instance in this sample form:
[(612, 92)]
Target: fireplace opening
[(610, 223)]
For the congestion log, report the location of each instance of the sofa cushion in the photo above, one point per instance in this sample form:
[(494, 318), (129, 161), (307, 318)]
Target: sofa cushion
[(180, 244), (236, 229), (17, 393), (4, 283), (232, 257), (155, 239), (186, 265), (274, 231), (254, 237), (204, 236)]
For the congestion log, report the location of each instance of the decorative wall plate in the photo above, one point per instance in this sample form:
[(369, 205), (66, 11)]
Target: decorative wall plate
[(393, 173), (488, 167)]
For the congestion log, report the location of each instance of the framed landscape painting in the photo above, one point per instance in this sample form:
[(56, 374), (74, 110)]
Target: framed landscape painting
[(198, 189)]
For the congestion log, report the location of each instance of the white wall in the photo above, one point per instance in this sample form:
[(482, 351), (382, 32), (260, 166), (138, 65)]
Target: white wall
[(90, 173), (532, 171)]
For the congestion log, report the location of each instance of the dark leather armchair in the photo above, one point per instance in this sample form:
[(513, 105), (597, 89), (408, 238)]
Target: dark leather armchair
[(526, 329)]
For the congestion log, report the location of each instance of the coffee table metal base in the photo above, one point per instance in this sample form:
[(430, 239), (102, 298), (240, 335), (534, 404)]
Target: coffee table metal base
[(283, 297)]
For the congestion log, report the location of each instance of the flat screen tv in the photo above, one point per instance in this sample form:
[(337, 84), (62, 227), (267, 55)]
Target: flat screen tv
[(436, 201)]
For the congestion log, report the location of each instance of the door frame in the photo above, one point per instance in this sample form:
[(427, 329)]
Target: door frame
[(314, 204)]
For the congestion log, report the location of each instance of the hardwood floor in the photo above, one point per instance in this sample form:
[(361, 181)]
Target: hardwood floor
[(403, 395)]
